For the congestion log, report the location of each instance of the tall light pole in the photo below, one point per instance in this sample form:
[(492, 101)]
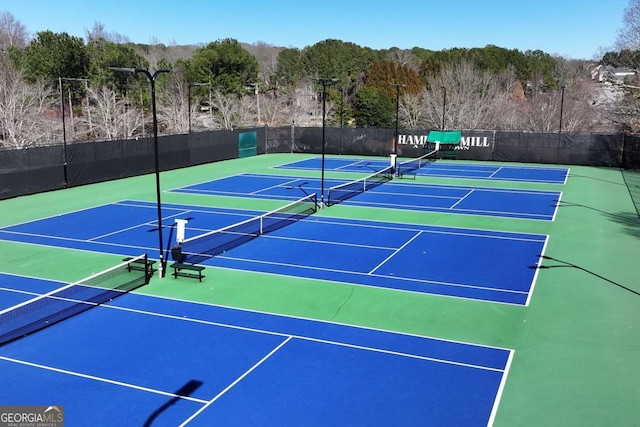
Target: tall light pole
[(561, 107), (255, 87), (152, 81), (444, 105), (324, 81), (64, 135), (341, 107), (341, 116), (64, 127), (395, 139)]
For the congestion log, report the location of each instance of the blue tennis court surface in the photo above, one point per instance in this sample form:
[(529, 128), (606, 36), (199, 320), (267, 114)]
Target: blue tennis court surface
[(455, 262), (144, 360), (499, 202), (548, 175)]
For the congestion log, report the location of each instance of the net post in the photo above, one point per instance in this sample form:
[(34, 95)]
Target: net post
[(147, 269), (393, 161)]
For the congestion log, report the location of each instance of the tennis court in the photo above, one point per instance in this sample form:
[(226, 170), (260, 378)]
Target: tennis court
[(349, 316), (144, 360), (444, 169), (498, 202), (350, 251)]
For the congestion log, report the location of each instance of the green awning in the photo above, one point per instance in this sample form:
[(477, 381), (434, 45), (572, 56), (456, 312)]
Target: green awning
[(445, 137)]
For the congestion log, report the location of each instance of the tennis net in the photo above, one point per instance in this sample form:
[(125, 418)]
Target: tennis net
[(347, 190), (69, 300), (405, 168), (199, 248)]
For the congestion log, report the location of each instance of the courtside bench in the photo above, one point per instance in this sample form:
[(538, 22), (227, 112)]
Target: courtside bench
[(187, 270), (139, 264), (449, 154)]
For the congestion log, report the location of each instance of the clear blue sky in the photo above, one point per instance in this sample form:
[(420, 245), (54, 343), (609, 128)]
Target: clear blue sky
[(571, 28)]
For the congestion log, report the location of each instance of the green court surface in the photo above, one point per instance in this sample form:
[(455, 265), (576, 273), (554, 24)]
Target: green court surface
[(576, 344)]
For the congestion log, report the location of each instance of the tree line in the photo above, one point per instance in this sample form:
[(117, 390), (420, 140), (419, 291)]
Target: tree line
[(226, 84)]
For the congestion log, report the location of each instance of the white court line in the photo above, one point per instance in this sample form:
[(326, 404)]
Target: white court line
[(476, 212), (230, 386), (71, 239), (178, 207), (535, 275), (557, 208), (392, 184), (503, 381), (289, 182), (311, 339), (101, 379), (207, 192), (352, 164), (465, 175), (238, 195), (375, 224), (247, 310), (435, 229), (287, 165), (359, 273), (366, 274), (523, 180), (59, 215), (330, 322), (204, 182), (307, 338), (461, 199), (395, 252), (188, 209), (144, 224), (124, 202), (20, 291), (458, 167), (305, 168), (496, 171), (326, 242)]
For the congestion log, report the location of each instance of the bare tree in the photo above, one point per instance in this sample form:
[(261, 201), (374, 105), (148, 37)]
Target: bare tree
[(173, 108), (159, 55), (629, 35), (412, 111), (25, 118), (226, 108), (246, 114), (472, 97), (578, 113), (200, 112), (542, 113), (267, 56), (112, 118), (625, 113), (12, 32), (99, 32), (274, 110), (303, 104), (508, 100), (569, 109), (404, 58)]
